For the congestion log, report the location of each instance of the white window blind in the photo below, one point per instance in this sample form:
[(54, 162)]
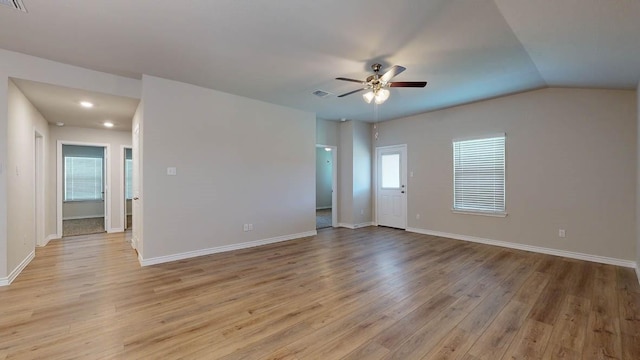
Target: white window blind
[(479, 175), (83, 172)]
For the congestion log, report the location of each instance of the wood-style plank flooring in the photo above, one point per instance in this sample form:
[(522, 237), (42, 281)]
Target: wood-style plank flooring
[(372, 293)]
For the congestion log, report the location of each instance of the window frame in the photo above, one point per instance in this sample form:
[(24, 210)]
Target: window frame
[(64, 181), (467, 211)]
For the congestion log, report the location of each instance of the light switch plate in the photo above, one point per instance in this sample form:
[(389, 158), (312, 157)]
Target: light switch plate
[(171, 171)]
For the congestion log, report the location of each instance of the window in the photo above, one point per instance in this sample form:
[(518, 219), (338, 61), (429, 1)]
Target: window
[(479, 175), (83, 173), (390, 166)]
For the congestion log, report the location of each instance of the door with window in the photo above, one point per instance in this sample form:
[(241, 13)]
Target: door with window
[(391, 186)]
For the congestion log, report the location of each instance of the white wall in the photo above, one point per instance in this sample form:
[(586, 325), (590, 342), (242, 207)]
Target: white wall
[(345, 174), (327, 132), (238, 161), (354, 175), (82, 209), (24, 120), (362, 161), (116, 139), (571, 164), (324, 178)]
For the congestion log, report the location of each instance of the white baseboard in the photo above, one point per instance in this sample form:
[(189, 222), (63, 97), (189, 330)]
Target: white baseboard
[(82, 217), (356, 226), (14, 274), (537, 249), (638, 272), (219, 249), (49, 238), (115, 230)]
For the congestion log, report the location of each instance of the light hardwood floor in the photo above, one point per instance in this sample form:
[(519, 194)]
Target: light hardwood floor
[(372, 293)]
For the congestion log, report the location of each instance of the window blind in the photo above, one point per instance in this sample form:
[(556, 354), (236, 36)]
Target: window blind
[(479, 175), (83, 173)]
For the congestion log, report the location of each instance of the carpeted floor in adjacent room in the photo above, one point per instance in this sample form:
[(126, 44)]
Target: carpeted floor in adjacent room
[(323, 218), (83, 226)]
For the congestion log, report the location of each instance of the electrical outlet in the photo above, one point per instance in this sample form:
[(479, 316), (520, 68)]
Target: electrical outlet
[(562, 233), (245, 227)]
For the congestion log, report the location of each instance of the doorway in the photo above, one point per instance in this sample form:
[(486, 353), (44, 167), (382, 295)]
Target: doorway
[(38, 182), (127, 185), (391, 189), (83, 188), (326, 192)]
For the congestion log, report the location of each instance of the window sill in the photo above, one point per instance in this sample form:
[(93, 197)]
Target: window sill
[(469, 212)]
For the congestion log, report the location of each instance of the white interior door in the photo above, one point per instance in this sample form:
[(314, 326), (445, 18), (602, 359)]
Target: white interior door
[(105, 188), (391, 186)]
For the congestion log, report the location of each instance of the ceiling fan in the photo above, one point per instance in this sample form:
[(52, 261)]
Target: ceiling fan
[(378, 84)]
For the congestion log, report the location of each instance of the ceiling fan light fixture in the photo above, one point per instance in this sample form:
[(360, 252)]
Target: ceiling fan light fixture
[(368, 97), (381, 96)]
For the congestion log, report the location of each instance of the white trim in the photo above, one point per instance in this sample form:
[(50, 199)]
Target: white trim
[(481, 136), (638, 272), (536, 249), (14, 274), (49, 238), (59, 182), (324, 207), (481, 213), (82, 217), (219, 249), (115, 230), (356, 226)]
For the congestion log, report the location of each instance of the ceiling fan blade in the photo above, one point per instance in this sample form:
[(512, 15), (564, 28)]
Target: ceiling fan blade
[(352, 92), (395, 70), (415, 84), (352, 80)]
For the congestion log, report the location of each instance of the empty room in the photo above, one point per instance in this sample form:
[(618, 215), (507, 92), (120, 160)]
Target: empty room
[(437, 179)]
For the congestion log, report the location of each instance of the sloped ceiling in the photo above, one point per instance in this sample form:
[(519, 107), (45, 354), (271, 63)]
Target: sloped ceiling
[(280, 52)]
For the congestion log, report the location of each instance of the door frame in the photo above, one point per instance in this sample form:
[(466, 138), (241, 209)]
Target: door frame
[(375, 181), (39, 187), (334, 183), (60, 183), (123, 206)]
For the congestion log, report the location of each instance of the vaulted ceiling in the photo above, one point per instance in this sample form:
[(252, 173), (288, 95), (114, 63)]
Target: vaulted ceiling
[(281, 51)]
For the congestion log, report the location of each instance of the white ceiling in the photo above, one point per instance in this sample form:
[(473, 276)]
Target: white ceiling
[(281, 51), (60, 104)]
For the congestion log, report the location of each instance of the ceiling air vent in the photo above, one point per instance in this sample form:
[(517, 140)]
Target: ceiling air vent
[(16, 4), (318, 93)]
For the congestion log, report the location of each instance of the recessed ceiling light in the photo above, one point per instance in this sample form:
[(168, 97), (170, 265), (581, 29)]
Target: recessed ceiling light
[(108, 124), (86, 104), (59, 123)]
